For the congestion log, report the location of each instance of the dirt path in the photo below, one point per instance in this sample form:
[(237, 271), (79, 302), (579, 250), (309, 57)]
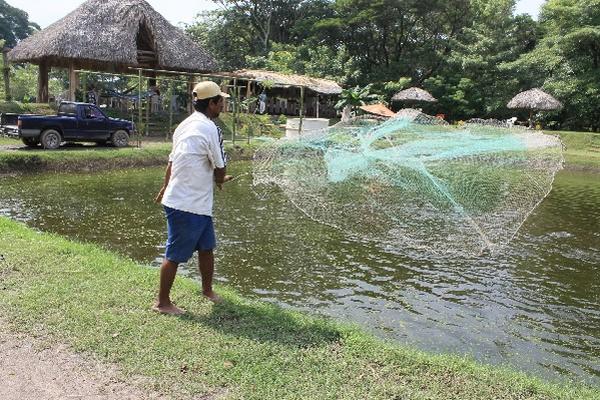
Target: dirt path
[(29, 371)]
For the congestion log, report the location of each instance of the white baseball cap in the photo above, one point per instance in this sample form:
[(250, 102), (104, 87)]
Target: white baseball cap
[(206, 90)]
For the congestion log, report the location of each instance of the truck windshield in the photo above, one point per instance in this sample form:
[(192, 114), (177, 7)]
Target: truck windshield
[(68, 109)]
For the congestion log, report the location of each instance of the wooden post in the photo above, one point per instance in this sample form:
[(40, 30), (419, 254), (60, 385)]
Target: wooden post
[(139, 133), (72, 81), (84, 88), (318, 105), (301, 111), (189, 92), (531, 119), (225, 88), (170, 95), (42, 96), (251, 126), (148, 101), (235, 107), (6, 73)]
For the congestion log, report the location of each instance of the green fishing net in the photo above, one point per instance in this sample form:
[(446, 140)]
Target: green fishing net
[(414, 181)]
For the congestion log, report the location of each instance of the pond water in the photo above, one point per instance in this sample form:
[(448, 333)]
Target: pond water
[(535, 306)]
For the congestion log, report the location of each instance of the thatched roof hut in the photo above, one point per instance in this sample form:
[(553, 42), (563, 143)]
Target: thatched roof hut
[(289, 94), (414, 94), (535, 99), (112, 35), (278, 79)]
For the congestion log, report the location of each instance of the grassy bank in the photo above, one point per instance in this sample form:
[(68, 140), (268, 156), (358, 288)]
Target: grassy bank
[(582, 149), (91, 158), (582, 152), (95, 158), (9, 141), (99, 303)]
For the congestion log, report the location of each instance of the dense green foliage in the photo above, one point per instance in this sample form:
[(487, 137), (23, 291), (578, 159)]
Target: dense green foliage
[(26, 108), (567, 61), (473, 55), (14, 24)]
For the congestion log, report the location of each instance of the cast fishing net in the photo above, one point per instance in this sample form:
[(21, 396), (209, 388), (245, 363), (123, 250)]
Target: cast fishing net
[(414, 181)]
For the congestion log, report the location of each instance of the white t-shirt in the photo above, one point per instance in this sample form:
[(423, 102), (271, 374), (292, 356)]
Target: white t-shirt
[(195, 155)]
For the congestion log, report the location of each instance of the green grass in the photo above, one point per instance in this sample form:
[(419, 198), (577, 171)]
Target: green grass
[(89, 157), (582, 152), (10, 141), (100, 158), (582, 149), (99, 303)]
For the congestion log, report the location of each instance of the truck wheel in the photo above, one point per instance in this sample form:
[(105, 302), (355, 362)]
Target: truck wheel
[(50, 139), (120, 138), (30, 142)]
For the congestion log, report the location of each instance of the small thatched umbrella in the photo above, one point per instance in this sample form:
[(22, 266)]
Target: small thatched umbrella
[(112, 35), (414, 94), (534, 100)]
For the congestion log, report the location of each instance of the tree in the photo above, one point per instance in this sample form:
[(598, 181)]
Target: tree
[(352, 98), (393, 38), (14, 24), (566, 62), (264, 22), (472, 84), (224, 36), (235, 35)]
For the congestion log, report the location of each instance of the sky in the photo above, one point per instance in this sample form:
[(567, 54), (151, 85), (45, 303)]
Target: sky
[(45, 12)]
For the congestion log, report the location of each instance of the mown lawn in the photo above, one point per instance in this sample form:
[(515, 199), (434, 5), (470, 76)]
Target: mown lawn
[(99, 303), (9, 141), (82, 157), (582, 149)]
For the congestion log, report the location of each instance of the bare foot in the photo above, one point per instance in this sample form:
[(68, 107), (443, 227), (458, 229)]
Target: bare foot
[(212, 296), (170, 309)]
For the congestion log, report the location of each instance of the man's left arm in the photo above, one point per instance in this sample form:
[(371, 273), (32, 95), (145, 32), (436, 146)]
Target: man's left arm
[(160, 194)]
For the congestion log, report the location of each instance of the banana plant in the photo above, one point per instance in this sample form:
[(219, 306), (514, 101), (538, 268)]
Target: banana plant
[(352, 98)]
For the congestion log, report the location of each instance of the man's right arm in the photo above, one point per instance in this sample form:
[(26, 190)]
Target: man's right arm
[(217, 156), (221, 177)]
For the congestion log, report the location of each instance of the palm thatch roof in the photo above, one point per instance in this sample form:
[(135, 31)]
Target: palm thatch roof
[(535, 99), (113, 35), (322, 86), (414, 94)]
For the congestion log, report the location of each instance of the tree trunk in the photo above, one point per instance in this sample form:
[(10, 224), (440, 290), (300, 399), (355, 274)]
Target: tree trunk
[(346, 113)]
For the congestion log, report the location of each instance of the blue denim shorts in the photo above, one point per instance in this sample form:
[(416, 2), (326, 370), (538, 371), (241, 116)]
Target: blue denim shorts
[(188, 232)]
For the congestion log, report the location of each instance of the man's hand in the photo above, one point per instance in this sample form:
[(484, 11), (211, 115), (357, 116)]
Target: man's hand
[(159, 196), (227, 178)]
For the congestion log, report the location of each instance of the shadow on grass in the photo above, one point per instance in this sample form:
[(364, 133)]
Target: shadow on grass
[(267, 323)]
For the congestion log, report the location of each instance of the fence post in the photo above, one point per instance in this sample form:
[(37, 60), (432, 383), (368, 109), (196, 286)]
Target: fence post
[(6, 73), (301, 111)]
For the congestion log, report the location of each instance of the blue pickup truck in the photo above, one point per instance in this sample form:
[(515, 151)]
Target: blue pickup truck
[(75, 122)]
